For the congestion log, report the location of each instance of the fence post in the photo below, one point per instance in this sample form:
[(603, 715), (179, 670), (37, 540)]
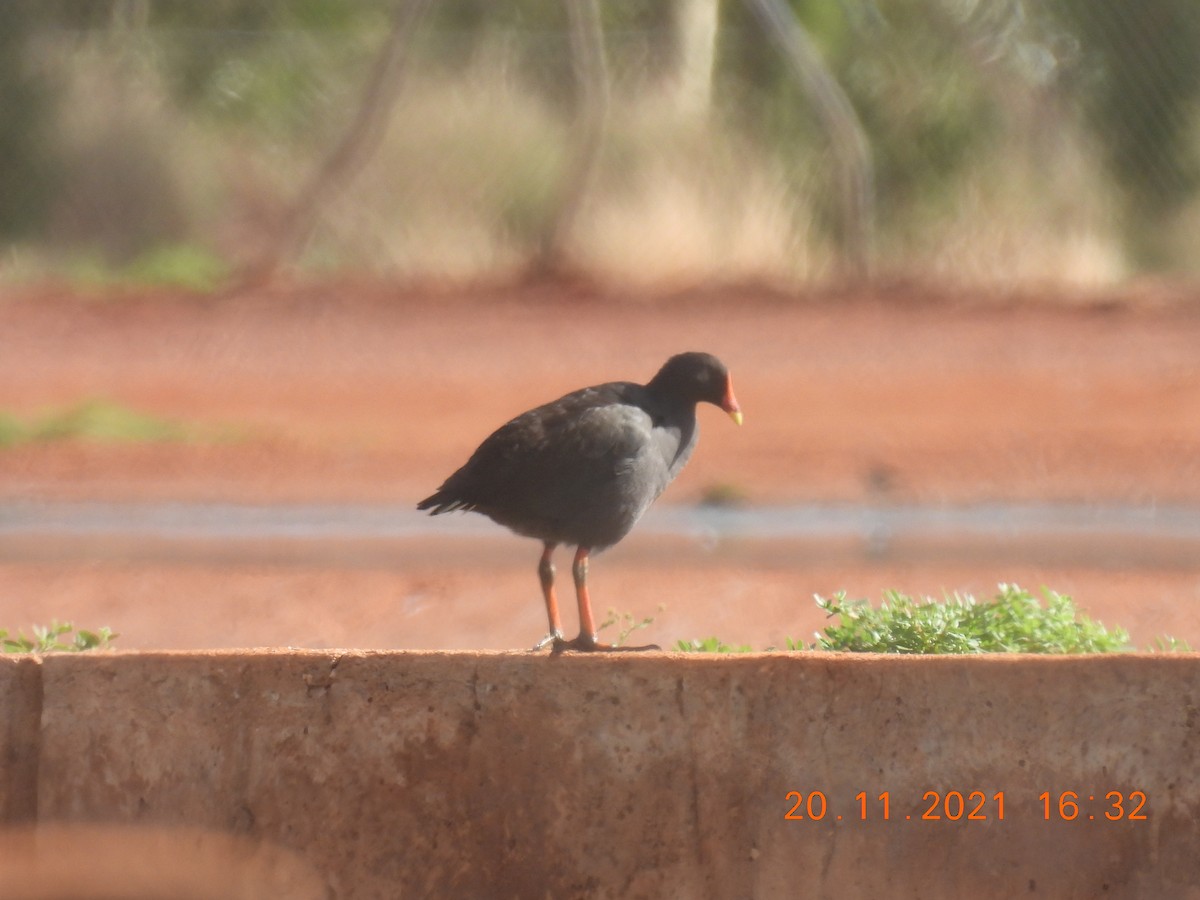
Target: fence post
[(360, 141), (848, 142)]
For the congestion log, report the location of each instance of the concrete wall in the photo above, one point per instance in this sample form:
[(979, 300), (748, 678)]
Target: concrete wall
[(518, 775)]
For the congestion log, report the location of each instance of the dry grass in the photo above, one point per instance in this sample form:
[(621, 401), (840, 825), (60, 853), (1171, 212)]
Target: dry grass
[(457, 189), (136, 167), (467, 173), (682, 200), (1022, 217)]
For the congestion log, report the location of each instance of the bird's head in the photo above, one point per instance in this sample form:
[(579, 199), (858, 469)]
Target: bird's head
[(697, 377)]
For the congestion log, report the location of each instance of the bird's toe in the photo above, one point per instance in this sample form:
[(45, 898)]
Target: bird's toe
[(587, 643), (554, 638)]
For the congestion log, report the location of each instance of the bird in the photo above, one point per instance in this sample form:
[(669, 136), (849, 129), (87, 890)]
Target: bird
[(582, 469)]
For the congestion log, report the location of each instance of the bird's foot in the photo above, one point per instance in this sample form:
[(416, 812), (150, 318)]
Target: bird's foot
[(554, 637), (623, 649), (587, 643)]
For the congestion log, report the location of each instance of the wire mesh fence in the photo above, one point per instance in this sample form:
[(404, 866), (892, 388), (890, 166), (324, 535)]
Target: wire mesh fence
[(642, 141)]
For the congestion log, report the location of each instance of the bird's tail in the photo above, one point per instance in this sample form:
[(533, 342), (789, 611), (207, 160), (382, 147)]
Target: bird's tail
[(442, 501)]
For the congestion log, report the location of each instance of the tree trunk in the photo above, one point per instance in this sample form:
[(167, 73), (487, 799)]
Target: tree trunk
[(587, 131)]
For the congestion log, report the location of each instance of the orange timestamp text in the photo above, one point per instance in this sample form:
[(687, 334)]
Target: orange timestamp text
[(969, 806)]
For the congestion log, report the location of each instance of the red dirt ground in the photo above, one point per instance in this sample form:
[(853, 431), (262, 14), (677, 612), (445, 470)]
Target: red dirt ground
[(368, 392)]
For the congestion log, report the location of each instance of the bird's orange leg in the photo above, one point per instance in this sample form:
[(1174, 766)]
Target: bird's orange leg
[(587, 624), (546, 577)]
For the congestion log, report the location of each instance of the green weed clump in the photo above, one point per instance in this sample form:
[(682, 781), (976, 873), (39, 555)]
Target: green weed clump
[(1014, 621), (56, 638)]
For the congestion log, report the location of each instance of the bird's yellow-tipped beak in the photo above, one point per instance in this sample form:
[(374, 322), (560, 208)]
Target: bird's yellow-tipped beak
[(729, 402)]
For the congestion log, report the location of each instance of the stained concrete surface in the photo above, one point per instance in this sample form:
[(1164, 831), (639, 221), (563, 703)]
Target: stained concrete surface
[(20, 718), (520, 775)]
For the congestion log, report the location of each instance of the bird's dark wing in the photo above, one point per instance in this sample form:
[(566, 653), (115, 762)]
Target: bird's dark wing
[(548, 458)]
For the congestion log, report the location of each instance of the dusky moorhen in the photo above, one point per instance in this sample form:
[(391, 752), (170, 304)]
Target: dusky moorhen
[(582, 469)]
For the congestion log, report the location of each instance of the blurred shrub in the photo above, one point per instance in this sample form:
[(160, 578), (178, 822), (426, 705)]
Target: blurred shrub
[(28, 164), (1135, 68)]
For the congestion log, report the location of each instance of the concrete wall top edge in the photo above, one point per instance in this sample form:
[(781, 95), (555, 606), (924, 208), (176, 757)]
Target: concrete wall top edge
[(627, 659)]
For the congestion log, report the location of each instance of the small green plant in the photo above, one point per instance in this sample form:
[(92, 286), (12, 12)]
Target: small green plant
[(1167, 644), (711, 645), (627, 624), (1012, 622), (56, 638), (92, 420)]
